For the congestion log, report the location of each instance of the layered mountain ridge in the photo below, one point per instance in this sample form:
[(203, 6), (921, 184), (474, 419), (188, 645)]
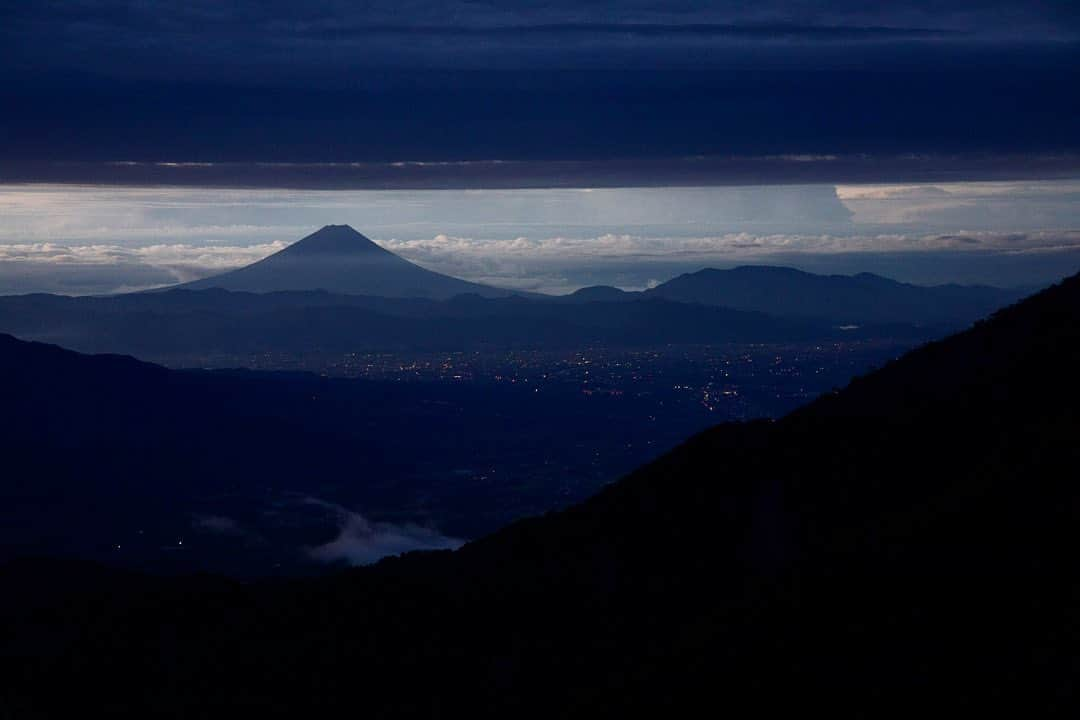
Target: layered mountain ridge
[(861, 298), (337, 291)]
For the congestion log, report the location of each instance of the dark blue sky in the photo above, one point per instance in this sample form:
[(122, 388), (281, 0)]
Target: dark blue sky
[(629, 89)]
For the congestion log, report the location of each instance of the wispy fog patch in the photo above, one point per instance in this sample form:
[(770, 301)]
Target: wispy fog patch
[(362, 542), (216, 525)]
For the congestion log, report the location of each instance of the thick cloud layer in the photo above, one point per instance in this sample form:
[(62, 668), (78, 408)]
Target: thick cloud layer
[(632, 80), (304, 30)]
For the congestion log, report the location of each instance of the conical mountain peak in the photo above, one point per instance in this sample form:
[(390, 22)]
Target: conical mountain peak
[(338, 259), (337, 239)]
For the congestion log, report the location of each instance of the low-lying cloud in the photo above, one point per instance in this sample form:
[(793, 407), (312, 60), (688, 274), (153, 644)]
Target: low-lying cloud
[(109, 268), (563, 264), (216, 525), (447, 249), (362, 542), (178, 257)]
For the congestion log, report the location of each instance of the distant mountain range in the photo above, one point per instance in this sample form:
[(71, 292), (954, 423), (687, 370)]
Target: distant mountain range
[(905, 543), (339, 260), (161, 326), (840, 299), (336, 291)]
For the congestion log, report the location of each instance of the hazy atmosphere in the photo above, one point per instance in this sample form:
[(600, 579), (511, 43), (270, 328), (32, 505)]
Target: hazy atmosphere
[(83, 240)]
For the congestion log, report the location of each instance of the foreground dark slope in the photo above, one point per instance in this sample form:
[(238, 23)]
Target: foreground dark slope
[(906, 543)]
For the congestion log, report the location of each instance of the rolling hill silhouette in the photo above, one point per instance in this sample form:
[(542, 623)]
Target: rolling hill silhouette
[(168, 324), (905, 543), (862, 298), (338, 259)]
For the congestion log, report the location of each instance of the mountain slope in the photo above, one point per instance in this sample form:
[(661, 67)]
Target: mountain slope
[(163, 326), (338, 259), (905, 543), (863, 298)]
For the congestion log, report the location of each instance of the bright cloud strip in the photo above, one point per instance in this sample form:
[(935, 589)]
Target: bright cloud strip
[(443, 248), (523, 262), (83, 239), (207, 258)]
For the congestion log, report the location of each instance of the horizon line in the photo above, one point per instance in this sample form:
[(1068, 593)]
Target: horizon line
[(506, 174)]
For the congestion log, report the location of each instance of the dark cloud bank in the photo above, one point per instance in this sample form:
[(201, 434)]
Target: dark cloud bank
[(609, 92)]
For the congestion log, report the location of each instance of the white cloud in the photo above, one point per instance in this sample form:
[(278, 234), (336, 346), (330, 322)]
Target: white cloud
[(206, 256), (1001, 206), (562, 264), (443, 249), (362, 542), (175, 263)]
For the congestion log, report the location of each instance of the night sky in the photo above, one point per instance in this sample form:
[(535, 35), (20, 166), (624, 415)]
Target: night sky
[(633, 92)]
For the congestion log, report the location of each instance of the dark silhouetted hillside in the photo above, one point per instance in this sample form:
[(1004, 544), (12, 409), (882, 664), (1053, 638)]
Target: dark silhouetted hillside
[(863, 298), (745, 305), (160, 326), (905, 544), (599, 293), (109, 458)]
